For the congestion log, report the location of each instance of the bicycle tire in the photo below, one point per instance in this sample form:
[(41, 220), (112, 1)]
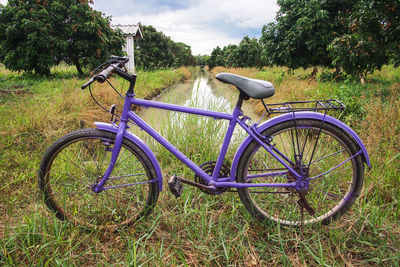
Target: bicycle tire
[(76, 161), (330, 195)]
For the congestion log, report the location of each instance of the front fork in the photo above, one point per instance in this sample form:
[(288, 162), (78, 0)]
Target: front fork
[(98, 187)]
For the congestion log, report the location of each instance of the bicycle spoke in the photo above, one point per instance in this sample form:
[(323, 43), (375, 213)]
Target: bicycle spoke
[(126, 175), (310, 144), (328, 173), (76, 165), (118, 172), (70, 171), (335, 153)]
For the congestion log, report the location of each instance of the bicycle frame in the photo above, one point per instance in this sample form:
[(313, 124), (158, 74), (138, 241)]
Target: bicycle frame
[(234, 119)]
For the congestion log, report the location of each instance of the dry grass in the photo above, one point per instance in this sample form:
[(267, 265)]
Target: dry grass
[(197, 229)]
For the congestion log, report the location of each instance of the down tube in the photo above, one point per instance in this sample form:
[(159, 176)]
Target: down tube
[(143, 125)]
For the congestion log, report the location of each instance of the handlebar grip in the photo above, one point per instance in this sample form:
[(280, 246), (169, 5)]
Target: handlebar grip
[(88, 83), (103, 76)]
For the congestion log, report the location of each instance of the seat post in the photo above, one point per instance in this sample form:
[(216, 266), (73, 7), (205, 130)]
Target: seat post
[(242, 97)]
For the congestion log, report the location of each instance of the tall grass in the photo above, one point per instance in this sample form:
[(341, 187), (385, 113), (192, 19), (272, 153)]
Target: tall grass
[(373, 110), (34, 112), (196, 229)]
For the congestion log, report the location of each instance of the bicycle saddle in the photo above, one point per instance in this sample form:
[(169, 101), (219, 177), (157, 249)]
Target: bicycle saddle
[(251, 87)]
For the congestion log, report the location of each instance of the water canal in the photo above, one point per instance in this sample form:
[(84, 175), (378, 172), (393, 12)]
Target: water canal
[(203, 91)]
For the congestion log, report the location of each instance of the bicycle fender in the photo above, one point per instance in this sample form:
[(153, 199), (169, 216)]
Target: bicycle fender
[(299, 115), (133, 138)]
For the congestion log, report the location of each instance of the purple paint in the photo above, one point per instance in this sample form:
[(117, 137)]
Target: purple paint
[(136, 140), (299, 115), (254, 134)]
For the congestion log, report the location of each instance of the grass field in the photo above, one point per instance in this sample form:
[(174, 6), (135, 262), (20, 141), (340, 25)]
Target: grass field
[(196, 229)]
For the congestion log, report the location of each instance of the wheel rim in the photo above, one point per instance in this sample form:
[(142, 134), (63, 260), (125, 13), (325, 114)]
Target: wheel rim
[(327, 193), (78, 165)]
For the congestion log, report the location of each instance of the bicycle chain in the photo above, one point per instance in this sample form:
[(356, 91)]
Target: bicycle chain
[(208, 167)]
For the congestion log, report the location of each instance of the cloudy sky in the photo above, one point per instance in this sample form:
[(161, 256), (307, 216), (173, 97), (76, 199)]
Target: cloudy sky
[(202, 24)]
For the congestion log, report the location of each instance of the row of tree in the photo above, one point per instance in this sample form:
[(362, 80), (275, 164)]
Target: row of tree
[(38, 34), (246, 54), (356, 36)]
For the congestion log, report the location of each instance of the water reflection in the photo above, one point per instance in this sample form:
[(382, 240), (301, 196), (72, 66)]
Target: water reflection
[(203, 92), (204, 97), (197, 93)]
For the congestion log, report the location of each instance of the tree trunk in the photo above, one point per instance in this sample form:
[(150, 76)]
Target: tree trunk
[(42, 71), (78, 67), (314, 72), (337, 72), (362, 79)]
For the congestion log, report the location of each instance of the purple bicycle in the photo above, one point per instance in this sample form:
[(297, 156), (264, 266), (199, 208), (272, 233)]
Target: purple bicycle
[(298, 168)]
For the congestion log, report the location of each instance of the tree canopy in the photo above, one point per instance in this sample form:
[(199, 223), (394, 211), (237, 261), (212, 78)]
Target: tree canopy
[(303, 31), (372, 38), (37, 34), (246, 54), (157, 50), (356, 36)]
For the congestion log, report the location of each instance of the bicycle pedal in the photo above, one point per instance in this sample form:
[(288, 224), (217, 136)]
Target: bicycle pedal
[(175, 186)]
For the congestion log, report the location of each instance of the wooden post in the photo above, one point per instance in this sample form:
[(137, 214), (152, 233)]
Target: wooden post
[(130, 52), (130, 32)]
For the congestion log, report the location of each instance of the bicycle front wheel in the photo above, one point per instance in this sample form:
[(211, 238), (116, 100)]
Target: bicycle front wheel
[(329, 154), (77, 161)]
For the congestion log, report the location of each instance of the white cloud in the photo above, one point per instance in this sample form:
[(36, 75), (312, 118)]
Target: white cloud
[(207, 23), (203, 24)]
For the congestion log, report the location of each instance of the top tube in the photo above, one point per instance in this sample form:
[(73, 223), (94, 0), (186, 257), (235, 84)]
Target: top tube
[(196, 111)]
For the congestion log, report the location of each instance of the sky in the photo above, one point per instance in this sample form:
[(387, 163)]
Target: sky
[(202, 24)]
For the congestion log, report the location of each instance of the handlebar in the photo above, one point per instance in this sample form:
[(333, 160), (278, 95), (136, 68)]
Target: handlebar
[(114, 67), (114, 62)]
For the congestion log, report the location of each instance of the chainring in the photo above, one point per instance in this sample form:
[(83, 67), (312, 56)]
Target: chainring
[(208, 167)]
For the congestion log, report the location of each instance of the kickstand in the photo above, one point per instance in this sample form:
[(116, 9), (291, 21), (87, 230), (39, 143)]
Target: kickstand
[(301, 223), (303, 203)]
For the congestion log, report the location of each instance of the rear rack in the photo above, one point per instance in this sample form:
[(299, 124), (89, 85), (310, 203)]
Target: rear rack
[(296, 106)]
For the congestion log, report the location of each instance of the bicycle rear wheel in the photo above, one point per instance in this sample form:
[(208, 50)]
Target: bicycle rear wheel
[(77, 161), (322, 147)]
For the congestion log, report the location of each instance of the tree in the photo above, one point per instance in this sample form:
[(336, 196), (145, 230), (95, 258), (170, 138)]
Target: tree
[(28, 40), (157, 50), (373, 38), (230, 56), (89, 38), (355, 36), (201, 60), (248, 53), (37, 34), (182, 55), (217, 58), (302, 32)]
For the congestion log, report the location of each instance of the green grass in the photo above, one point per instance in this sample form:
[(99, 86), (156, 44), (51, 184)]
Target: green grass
[(196, 229)]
